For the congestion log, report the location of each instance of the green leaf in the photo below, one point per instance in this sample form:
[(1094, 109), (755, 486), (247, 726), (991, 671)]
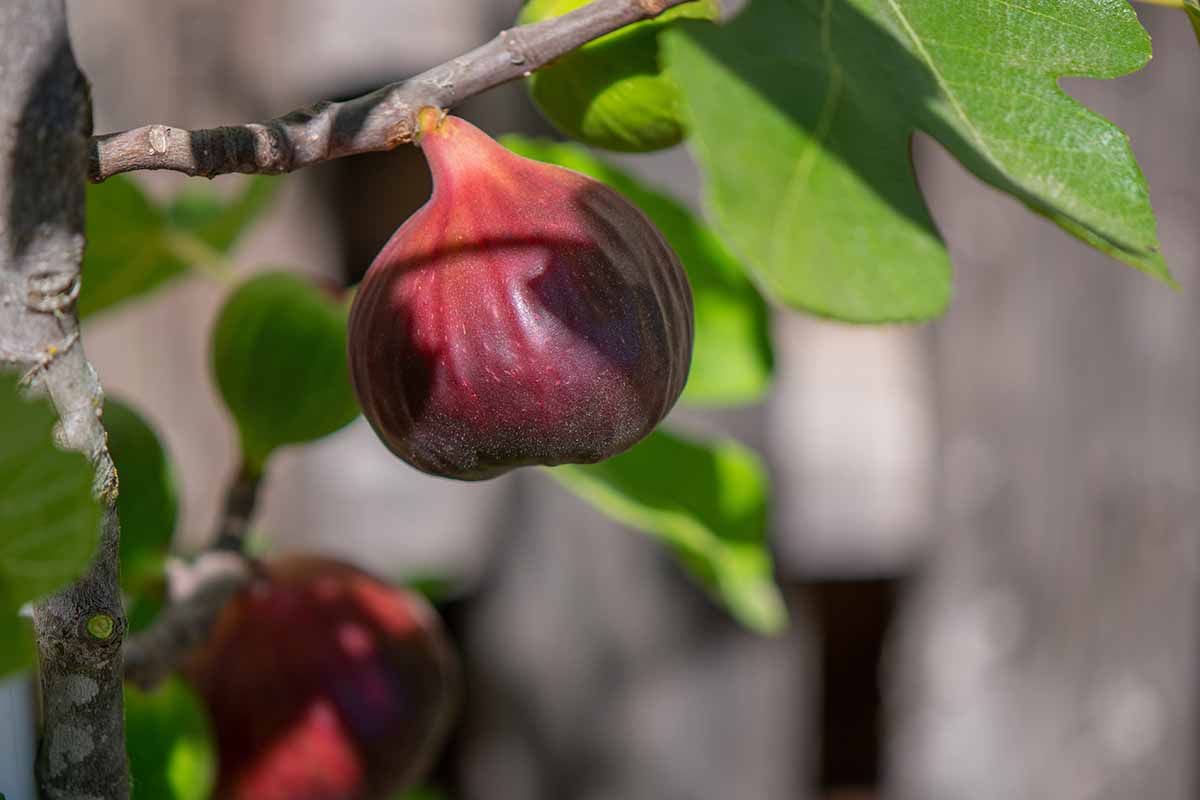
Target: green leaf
[(707, 501), (148, 504), (128, 253), (732, 359), (417, 794), (135, 247), (802, 112), (144, 603), (279, 357), (171, 755), (49, 520), (218, 222), (612, 92), (1192, 7)]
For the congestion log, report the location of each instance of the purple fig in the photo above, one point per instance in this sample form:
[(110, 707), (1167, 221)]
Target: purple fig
[(322, 683), (527, 314)]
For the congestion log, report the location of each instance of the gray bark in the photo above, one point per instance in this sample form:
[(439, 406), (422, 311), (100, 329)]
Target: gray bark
[(1050, 651), (46, 115)]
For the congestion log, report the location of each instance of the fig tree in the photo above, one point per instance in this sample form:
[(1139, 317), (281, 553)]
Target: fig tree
[(527, 314)]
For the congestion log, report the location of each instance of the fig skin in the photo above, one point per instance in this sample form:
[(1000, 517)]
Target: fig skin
[(323, 683), (527, 314)]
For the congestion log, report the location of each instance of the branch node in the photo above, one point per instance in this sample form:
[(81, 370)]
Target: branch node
[(52, 292), (47, 357)]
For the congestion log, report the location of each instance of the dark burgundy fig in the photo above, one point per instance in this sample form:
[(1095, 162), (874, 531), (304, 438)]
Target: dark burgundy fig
[(324, 683), (527, 314)]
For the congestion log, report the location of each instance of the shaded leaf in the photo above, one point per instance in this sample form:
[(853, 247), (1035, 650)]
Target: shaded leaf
[(49, 520), (171, 756), (127, 252), (148, 503), (802, 113), (279, 357), (732, 360), (219, 222), (135, 247), (612, 92), (417, 794), (707, 501)]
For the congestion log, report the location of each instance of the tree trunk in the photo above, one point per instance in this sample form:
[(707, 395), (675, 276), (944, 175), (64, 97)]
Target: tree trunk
[(45, 117)]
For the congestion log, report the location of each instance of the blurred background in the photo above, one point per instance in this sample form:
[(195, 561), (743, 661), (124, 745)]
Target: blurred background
[(986, 528)]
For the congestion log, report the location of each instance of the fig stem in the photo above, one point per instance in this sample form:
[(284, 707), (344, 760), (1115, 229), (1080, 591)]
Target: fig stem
[(199, 591), (380, 120)]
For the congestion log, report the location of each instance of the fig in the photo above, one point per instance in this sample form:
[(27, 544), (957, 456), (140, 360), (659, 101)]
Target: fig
[(613, 92), (527, 314), (323, 683)]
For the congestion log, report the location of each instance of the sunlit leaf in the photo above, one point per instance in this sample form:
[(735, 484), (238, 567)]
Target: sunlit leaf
[(707, 502), (803, 111)]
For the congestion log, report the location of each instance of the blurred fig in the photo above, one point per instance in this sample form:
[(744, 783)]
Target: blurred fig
[(527, 314), (613, 92), (324, 683)]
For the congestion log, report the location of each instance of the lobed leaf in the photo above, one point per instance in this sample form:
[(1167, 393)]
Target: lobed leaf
[(802, 114)]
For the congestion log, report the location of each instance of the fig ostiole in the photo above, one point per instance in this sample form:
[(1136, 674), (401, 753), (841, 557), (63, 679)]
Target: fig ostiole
[(324, 683), (526, 314)]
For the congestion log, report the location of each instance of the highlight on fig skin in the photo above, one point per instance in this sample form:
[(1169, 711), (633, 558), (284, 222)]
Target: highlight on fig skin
[(323, 683), (527, 314)]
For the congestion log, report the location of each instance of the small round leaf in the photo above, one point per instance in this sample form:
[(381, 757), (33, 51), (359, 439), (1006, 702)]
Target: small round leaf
[(149, 501), (170, 747), (279, 357)]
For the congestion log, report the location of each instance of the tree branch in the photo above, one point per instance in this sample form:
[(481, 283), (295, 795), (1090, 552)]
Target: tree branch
[(381, 120), (199, 591), (45, 116)]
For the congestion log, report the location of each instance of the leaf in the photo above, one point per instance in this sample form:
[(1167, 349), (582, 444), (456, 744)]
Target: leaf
[(279, 357), (217, 222), (1192, 7), (49, 520), (707, 501), (171, 755), (802, 112), (415, 794), (135, 247), (612, 92), (127, 252), (732, 359), (148, 503)]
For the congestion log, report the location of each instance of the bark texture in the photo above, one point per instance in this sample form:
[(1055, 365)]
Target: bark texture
[(45, 114)]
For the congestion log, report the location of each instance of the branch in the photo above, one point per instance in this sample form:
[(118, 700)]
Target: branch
[(381, 120), (199, 592), (45, 117)]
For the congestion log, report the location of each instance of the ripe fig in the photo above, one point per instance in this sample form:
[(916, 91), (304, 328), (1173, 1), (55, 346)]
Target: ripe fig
[(613, 92), (527, 314), (324, 683)]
